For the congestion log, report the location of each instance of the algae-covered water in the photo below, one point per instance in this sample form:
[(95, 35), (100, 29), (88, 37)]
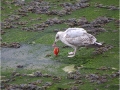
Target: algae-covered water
[(30, 56)]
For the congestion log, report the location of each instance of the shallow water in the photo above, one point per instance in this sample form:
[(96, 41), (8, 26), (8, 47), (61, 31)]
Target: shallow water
[(29, 56)]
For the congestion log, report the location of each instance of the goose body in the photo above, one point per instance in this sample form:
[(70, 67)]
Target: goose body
[(75, 38)]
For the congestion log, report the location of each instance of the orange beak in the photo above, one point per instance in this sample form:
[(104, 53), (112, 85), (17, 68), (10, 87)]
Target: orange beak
[(56, 51)]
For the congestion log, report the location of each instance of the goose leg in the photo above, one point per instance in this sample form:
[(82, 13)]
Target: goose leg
[(72, 54)]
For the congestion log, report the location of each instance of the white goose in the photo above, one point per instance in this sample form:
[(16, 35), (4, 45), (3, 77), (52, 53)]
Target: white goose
[(75, 38)]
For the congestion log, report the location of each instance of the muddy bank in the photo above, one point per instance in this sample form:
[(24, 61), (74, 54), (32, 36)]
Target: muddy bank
[(29, 57)]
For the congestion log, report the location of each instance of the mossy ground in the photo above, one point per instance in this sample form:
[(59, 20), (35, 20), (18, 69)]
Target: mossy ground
[(83, 56)]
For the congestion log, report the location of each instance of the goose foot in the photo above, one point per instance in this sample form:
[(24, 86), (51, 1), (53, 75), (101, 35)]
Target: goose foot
[(71, 53)]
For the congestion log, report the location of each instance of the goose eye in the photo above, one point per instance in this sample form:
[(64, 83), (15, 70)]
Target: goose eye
[(57, 37)]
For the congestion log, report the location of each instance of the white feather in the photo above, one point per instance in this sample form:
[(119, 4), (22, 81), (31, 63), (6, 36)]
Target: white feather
[(76, 37)]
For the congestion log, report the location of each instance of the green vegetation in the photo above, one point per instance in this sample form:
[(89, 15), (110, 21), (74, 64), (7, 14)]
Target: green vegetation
[(83, 57)]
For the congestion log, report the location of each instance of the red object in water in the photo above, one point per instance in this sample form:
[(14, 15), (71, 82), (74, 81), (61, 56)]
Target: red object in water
[(56, 51)]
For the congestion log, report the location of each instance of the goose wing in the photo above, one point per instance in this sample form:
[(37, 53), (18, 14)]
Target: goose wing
[(79, 38)]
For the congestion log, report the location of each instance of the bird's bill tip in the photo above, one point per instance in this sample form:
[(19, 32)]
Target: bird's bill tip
[(54, 44)]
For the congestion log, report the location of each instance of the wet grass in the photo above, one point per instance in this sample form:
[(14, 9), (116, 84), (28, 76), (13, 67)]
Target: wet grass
[(64, 82), (83, 57)]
